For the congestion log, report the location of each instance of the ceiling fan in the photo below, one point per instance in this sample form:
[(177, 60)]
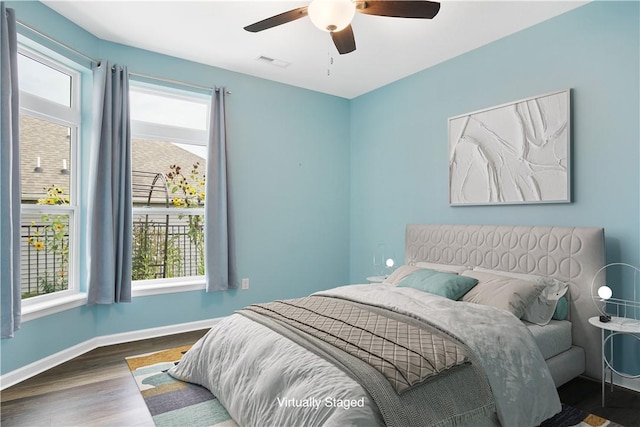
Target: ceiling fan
[(334, 16)]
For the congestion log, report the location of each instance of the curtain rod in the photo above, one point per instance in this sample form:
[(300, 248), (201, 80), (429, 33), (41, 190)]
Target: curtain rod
[(97, 62), (51, 39), (178, 82)]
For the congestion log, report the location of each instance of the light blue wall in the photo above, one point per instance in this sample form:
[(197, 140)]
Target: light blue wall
[(319, 181), (399, 163), (289, 166)]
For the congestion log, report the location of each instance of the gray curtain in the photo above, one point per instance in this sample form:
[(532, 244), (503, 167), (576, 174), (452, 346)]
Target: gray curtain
[(109, 220), (220, 268), (10, 294)]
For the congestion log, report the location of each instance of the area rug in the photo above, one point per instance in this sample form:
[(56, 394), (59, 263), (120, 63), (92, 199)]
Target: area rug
[(172, 402), (571, 416), (177, 403)]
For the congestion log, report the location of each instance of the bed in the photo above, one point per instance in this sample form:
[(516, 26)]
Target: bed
[(386, 354)]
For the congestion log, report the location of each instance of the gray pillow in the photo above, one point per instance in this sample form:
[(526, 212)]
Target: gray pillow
[(404, 270), (506, 293), (400, 273), (549, 304), (445, 268)]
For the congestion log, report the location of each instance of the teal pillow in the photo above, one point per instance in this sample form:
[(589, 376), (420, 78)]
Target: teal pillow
[(447, 285), (562, 309)]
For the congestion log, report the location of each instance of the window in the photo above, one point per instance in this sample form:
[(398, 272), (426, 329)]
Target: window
[(49, 129), (169, 137)]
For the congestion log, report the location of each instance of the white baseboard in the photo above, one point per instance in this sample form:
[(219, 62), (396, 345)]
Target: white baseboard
[(32, 369), (630, 383)]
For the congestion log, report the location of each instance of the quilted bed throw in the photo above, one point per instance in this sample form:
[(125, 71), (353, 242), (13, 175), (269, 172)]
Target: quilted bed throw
[(406, 354), (400, 361)]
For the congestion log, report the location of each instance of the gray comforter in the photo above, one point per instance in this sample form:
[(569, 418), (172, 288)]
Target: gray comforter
[(236, 361), (397, 359)]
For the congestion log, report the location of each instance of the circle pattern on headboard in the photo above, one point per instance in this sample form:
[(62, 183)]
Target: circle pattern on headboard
[(549, 251)]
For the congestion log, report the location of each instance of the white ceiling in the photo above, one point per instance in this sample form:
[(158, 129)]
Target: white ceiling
[(388, 49)]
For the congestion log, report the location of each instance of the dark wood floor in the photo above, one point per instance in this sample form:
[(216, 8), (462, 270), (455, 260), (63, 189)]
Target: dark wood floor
[(96, 389), (622, 405)]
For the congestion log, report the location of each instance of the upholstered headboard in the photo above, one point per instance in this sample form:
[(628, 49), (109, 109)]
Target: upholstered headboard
[(570, 254)]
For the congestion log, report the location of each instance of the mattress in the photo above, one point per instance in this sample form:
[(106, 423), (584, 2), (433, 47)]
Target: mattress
[(553, 338)]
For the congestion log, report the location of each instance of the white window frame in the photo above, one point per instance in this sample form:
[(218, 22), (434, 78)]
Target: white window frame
[(41, 108), (161, 132), (147, 130)]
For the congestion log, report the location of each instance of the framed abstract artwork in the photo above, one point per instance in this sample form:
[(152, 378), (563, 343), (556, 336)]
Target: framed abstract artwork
[(513, 153)]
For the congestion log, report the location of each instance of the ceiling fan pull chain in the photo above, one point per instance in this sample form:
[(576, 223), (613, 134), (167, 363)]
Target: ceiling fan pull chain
[(329, 57)]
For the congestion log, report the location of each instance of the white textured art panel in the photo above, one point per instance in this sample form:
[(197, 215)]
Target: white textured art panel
[(513, 153)]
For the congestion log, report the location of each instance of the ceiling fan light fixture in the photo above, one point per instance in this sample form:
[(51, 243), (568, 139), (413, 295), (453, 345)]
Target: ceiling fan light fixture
[(331, 15)]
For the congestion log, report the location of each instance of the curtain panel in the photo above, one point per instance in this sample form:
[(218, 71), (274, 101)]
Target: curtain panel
[(220, 265), (110, 218), (10, 292)]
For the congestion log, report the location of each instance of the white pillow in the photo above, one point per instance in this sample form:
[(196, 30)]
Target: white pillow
[(399, 274), (443, 268), (542, 308), (507, 293)]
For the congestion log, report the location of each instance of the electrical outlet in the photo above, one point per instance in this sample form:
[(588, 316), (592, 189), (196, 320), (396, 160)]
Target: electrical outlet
[(245, 283)]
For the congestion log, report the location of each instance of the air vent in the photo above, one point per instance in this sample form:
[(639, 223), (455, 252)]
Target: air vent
[(274, 62)]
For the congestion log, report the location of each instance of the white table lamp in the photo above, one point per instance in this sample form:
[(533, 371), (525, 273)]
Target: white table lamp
[(624, 310)]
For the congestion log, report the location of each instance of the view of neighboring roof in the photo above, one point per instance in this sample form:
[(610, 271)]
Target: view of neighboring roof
[(49, 142)]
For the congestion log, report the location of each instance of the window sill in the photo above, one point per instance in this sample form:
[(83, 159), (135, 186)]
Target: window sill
[(164, 287), (56, 305), (52, 306)]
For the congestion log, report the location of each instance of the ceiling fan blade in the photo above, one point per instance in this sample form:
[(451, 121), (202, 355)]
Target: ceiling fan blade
[(344, 40), (276, 20), (399, 9)]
